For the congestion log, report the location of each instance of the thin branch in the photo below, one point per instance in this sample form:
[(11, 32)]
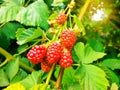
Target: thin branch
[(6, 54), (3, 63), (50, 74), (10, 57), (59, 80), (27, 48), (2, 24)]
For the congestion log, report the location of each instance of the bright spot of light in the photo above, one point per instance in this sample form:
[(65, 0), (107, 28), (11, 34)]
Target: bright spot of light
[(99, 15)]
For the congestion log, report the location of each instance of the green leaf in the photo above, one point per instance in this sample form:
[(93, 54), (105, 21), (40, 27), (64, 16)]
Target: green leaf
[(9, 10), (69, 82), (17, 2), (22, 47), (36, 87), (75, 57), (3, 78), (57, 2), (112, 63), (36, 14), (4, 43), (39, 87), (24, 36), (79, 50), (19, 76), (86, 54), (68, 75), (57, 69), (96, 45), (91, 55), (48, 2), (12, 68), (91, 78), (53, 16), (10, 29), (26, 61), (72, 86), (32, 79), (111, 75), (79, 25)]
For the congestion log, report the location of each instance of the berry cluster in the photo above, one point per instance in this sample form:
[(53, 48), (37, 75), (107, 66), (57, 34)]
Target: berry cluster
[(59, 53), (56, 52)]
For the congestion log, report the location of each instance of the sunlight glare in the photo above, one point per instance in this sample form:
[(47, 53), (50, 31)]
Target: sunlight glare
[(99, 15)]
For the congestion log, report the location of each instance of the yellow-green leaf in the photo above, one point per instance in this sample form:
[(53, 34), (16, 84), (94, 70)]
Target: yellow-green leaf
[(114, 86), (16, 86)]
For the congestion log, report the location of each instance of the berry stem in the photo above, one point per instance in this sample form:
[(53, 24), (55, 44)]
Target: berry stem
[(75, 64), (59, 80), (27, 48), (45, 37), (49, 77), (70, 21), (3, 63), (70, 7), (10, 57)]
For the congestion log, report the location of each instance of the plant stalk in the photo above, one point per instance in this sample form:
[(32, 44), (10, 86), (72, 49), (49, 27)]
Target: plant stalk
[(10, 57), (50, 74), (59, 80), (49, 77), (6, 54), (27, 3), (27, 48), (83, 10), (24, 66)]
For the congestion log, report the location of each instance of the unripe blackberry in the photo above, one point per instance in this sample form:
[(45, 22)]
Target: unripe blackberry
[(61, 18), (68, 38), (66, 60), (36, 54), (54, 52), (45, 66)]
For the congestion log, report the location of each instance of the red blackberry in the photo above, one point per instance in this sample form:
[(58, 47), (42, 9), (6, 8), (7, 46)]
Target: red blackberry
[(54, 52), (66, 60), (45, 66), (36, 54), (68, 38), (61, 18)]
